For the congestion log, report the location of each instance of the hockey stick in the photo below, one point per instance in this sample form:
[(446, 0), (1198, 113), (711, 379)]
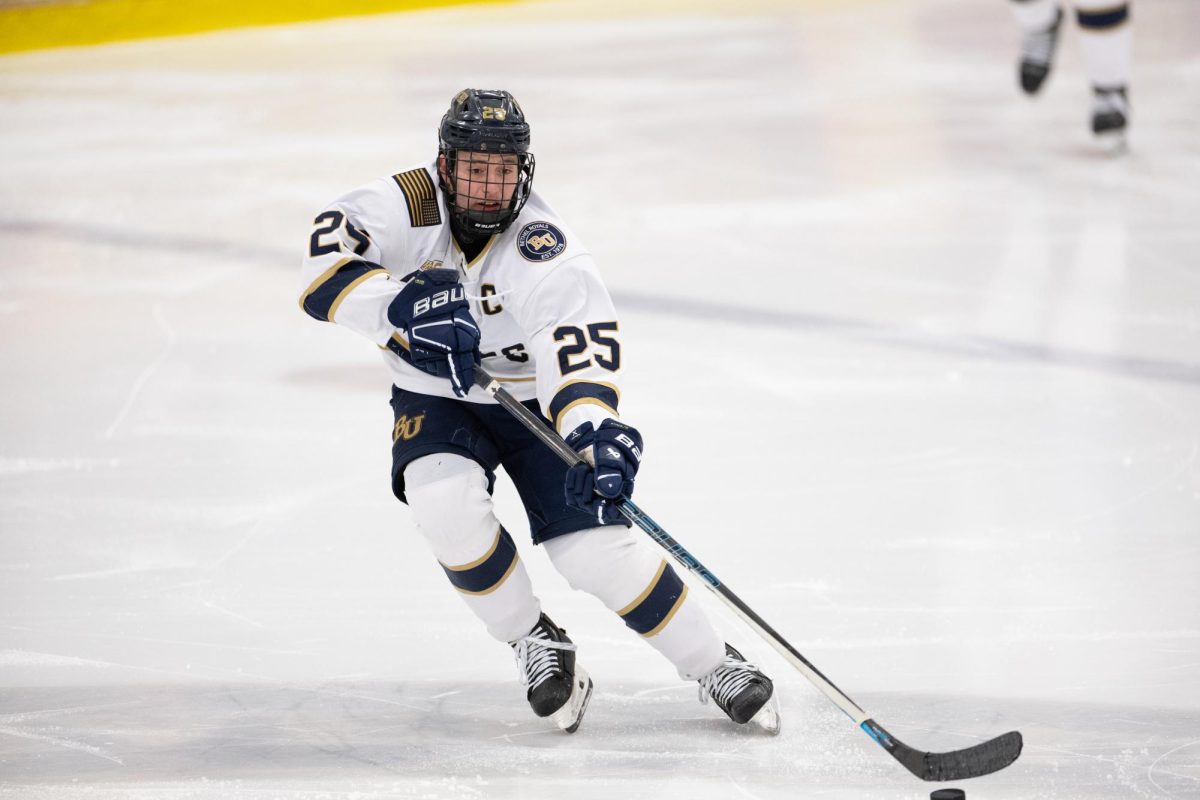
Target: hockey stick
[(970, 762)]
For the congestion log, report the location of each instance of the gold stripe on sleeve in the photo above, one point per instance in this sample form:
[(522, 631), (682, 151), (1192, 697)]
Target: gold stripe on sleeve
[(582, 401), (350, 287), (324, 276), (605, 384)]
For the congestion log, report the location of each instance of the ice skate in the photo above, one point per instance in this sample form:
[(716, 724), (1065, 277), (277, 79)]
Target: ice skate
[(742, 691), (557, 687), (1037, 55), (1110, 116)]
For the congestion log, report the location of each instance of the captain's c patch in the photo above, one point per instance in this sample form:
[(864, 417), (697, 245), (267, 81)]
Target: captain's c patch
[(540, 241)]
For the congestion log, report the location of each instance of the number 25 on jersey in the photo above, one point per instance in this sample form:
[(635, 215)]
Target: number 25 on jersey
[(606, 351)]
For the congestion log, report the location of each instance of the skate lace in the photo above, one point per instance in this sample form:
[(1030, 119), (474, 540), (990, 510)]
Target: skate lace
[(1038, 46), (536, 658), (1108, 102), (724, 682)]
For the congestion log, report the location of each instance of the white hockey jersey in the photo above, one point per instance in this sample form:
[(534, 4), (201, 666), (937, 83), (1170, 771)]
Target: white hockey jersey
[(549, 330)]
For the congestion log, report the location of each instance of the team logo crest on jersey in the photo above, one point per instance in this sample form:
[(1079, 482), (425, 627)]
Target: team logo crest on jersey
[(540, 241), (431, 264)]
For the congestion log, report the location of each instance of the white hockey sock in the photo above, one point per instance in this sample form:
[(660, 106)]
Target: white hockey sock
[(453, 511), (630, 577), (1034, 15), (1106, 36)]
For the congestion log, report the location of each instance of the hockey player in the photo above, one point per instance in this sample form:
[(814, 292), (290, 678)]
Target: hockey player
[(1107, 41), (458, 261)]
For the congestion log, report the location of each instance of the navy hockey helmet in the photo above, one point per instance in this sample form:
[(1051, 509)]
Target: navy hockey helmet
[(485, 193)]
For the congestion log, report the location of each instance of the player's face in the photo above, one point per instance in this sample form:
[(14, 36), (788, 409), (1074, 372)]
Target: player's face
[(485, 181)]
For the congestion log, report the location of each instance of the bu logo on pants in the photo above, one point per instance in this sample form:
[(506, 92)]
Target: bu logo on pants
[(407, 427)]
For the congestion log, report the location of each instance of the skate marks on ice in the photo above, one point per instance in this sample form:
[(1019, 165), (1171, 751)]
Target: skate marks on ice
[(97, 234), (993, 348), (436, 739), (1172, 765), (416, 730), (1072, 750), (913, 338)]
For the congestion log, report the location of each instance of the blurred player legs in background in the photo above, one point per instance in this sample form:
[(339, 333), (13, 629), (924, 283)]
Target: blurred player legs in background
[(1106, 37)]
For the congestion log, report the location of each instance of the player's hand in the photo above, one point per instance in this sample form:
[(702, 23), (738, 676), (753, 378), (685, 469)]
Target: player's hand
[(612, 455), (433, 314)]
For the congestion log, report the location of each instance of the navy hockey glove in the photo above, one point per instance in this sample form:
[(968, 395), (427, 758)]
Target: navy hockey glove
[(616, 449), (433, 313)]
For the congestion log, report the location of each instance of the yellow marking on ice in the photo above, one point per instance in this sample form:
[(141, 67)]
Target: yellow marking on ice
[(29, 26)]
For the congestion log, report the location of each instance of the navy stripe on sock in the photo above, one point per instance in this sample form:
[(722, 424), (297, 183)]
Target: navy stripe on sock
[(485, 574), (1100, 20), (653, 609)]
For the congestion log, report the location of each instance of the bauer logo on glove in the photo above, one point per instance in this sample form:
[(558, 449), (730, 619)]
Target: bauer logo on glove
[(438, 300), (432, 312)]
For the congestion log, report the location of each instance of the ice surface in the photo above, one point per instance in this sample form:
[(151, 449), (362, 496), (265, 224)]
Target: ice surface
[(945, 352)]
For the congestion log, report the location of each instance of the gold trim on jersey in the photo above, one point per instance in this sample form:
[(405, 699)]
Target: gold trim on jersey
[(421, 197), (605, 384), (582, 401), (586, 399), (400, 340), (324, 276), (491, 240), (350, 287)]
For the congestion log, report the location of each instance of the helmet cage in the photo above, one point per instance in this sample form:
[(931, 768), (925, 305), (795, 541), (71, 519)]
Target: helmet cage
[(484, 121), (467, 212)]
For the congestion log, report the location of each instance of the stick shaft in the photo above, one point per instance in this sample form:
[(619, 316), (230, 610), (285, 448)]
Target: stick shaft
[(656, 532), (971, 762)]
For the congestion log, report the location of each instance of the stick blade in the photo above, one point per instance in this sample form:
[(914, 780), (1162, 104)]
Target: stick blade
[(971, 762)]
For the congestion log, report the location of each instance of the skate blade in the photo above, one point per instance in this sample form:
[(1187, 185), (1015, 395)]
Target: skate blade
[(1112, 143), (571, 714), (768, 718)]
